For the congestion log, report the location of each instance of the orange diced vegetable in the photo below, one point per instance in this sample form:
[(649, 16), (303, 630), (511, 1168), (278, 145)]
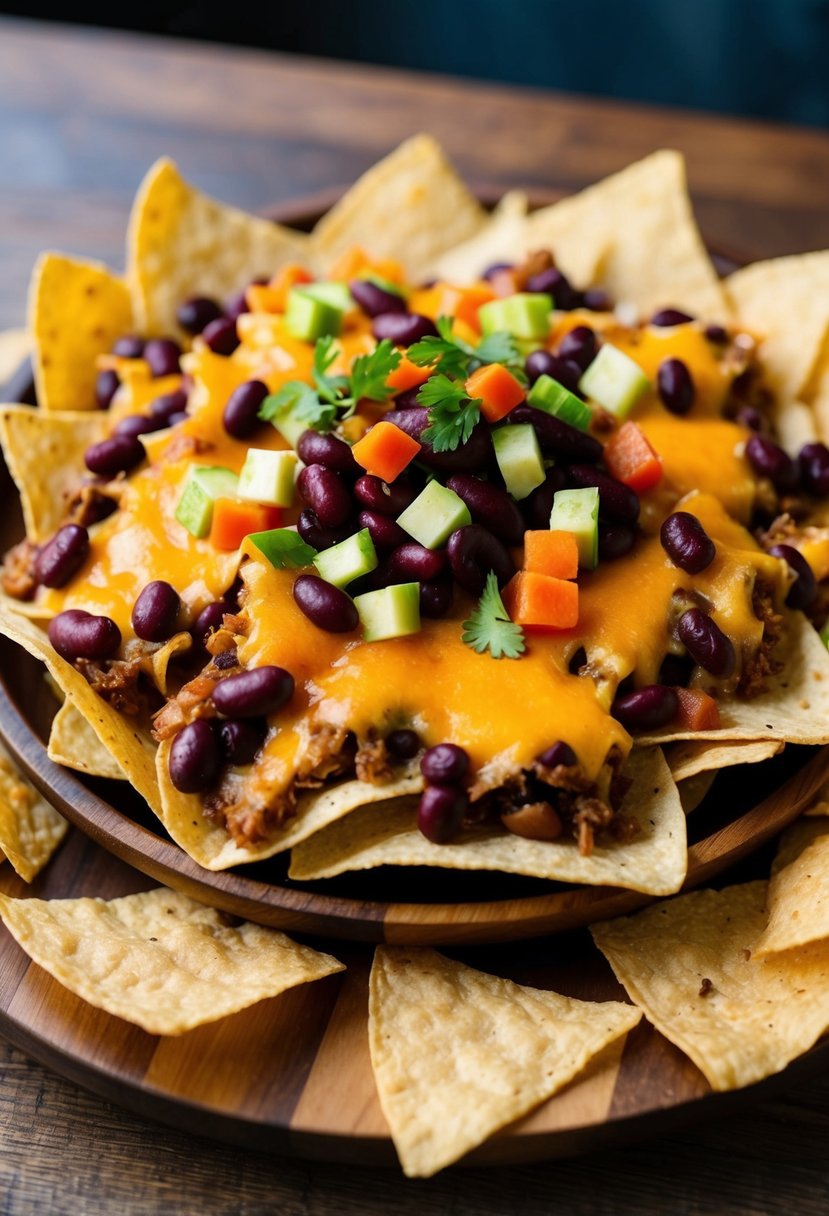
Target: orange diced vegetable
[(260, 297), (497, 390), (697, 710), (538, 601), (385, 450), (471, 299), (551, 552), (276, 291), (407, 375), (351, 263), (234, 520), (630, 458)]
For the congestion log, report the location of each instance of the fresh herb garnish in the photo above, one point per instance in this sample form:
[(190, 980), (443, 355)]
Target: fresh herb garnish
[(370, 372), (300, 401), (455, 357), (333, 398), (284, 548), (490, 628), (452, 416), (330, 388)]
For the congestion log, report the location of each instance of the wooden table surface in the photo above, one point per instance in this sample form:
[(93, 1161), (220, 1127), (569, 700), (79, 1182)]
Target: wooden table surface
[(82, 115)]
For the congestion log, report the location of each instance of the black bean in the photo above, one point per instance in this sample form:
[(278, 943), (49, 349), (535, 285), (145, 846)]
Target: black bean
[(616, 500), (769, 460), (553, 282), (676, 386), (315, 535), (155, 612), (378, 495), (441, 811), (444, 764), (538, 505), (221, 336), (687, 543), (491, 506), (197, 312), (468, 457), (706, 643), (76, 634), (579, 346), (558, 438), (436, 598), (62, 556), (106, 386), (403, 328), (615, 540), (403, 744), (240, 740), (414, 563), (373, 300), (473, 552), (543, 363), (240, 416), (646, 708), (194, 758), (814, 469), (254, 693), (326, 493), (666, 318), (334, 453), (168, 404), (385, 533), (163, 356), (803, 590), (325, 605), (559, 753), (130, 346), (118, 454)]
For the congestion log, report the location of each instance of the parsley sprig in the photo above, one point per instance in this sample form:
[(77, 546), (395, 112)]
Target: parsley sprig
[(452, 415), (490, 628)]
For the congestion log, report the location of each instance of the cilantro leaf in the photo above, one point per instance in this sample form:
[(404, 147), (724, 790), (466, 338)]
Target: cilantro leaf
[(441, 352), (370, 372), (452, 416), (501, 348), (330, 388), (490, 628), (454, 356), (284, 548), (300, 400)]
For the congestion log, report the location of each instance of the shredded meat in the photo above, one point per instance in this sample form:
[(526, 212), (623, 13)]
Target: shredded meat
[(780, 531), (329, 753), (187, 445), (90, 504), (116, 681), (762, 664), (195, 698), (372, 762), (18, 573)]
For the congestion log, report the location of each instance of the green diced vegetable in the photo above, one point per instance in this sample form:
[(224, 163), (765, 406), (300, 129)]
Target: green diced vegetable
[(268, 477), (203, 485), (391, 612), (525, 315), (350, 559), (577, 511), (553, 398), (333, 293), (614, 380), (519, 458), (434, 515), (307, 317), (284, 548)]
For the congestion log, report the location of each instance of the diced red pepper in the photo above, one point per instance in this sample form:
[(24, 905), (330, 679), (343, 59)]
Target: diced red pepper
[(630, 458), (697, 710), (233, 520)]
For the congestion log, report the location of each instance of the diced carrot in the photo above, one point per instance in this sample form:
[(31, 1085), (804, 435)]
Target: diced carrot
[(497, 390), (275, 293), (260, 297), (407, 375), (697, 710), (385, 450), (630, 458), (234, 520), (471, 299), (538, 601), (551, 552), (351, 263)]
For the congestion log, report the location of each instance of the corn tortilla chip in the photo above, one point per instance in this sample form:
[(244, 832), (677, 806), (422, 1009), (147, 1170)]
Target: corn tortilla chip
[(74, 744), (694, 789), (30, 828), (816, 392), (77, 310), (798, 895), (796, 425), (496, 241), (181, 243), (655, 861), (411, 206), (458, 1054), (159, 959), (753, 1016), (690, 759)]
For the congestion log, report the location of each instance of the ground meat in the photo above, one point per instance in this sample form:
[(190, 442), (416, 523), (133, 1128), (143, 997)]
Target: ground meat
[(90, 504), (762, 663), (193, 700), (117, 682), (372, 762), (18, 573), (330, 752)]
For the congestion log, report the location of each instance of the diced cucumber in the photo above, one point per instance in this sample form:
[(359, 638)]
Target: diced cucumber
[(434, 515), (391, 612), (519, 458), (350, 559), (309, 318), (525, 315), (268, 477), (614, 380), (204, 484), (553, 398), (334, 293), (384, 284), (577, 511), (289, 425), (284, 548)]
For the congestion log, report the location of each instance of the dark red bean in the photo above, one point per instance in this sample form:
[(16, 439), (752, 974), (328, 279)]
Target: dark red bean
[(175, 419), (814, 469), (62, 556), (378, 495), (403, 328), (491, 506), (130, 346), (138, 424), (615, 540), (750, 418), (240, 416), (334, 453), (597, 300), (155, 612), (579, 346), (209, 620), (385, 533), (197, 312), (803, 590), (240, 740), (118, 454), (666, 318), (676, 386), (106, 386), (538, 505), (254, 693), (543, 363), (373, 300), (717, 334), (769, 460), (646, 708), (403, 744), (235, 305), (194, 762), (326, 493), (325, 605), (495, 268), (414, 563), (221, 336), (537, 363), (616, 500), (554, 283), (559, 753), (168, 404), (315, 535), (163, 356), (444, 764), (687, 543), (473, 552), (99, 507), (468, 457), (407, 400), (76, 634), (441, 811), (706, 643), (557, 438), (436, 598)]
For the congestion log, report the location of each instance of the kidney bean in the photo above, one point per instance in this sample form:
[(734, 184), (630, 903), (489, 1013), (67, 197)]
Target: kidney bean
[(134, 425), (495, 268), (543, 363), (175, 419), (579, 346), (814, 469), (326, 493), (194, 758), (235, 305), (240, 416), (468, 457), (646, 708), (558, 753), (769, 460), (197, 313), (209, 620), (444, 764), (334, 453), (240, 740), (106, 386), (473, 552), (597, 300), (441, 811), (167, 404), (615, 540), (155, 612), (414, 563), (130, 346), (385, 533), (315, 535), (325, 605), (717, 334), (616, 500), (803, 590), (750, 418), (534, 821), (706, 643), (403, 744), (221, 336), (163, 356), (557, 438), (62, 556), (76, 634), (403, 328), (538, 505), (491, 506), (407, 400), (666, 318), (676, 386), (687, 543), (254, 693), (436, 598), (554, 283), (377, 495), (117, 454), (373, 300)]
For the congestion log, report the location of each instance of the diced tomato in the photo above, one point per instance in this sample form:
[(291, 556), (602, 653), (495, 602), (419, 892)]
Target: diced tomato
[(407, 375), (697, 710), (385, 451), (233, 520), (630, 458), (551, 552), (538, 601), (497, 390)]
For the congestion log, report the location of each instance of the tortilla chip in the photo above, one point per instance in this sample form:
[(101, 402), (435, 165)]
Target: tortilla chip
[(756, 1015), (798, 895), (689, 759), (181, 243), (796, 425), (655, 861), (33, 441), (30, 828), (77, 310), (160, 659), (131, 747), (159, 959), (458, 1054), (74, 744), (693, 790), (634, 233), (410, 206), (496, 241), (15, 346)]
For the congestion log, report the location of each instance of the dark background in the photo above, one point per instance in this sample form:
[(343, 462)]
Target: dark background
[(762, 58)]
